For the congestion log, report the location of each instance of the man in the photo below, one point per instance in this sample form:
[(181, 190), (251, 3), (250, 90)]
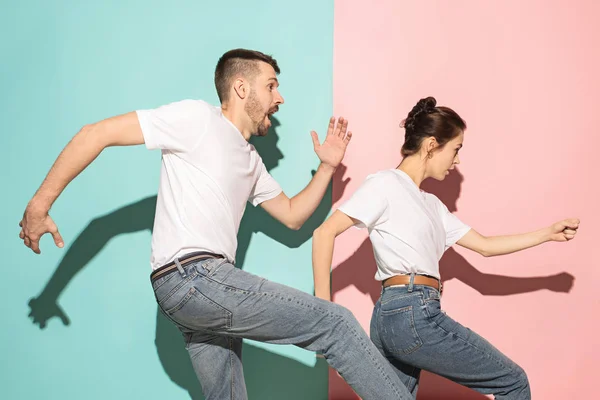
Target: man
[(209, 171)]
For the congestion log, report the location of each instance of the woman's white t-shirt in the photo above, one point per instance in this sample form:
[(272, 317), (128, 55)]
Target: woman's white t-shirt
[(409, 228)]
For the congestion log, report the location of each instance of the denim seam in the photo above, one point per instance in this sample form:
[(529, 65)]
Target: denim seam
[(396, 310), (177, 287), (411, 378), (400, 296), (181, 302), (167, 316), (484, 353), (165, 279), (233, 288), (171, 275), (419, 341), (231, 365), (214, 263), (281, 298), (193, 292), (336, 316), (374, 361)]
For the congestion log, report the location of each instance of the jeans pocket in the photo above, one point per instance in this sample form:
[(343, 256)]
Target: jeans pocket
[(195, 311), (166, 289), (398, 332)]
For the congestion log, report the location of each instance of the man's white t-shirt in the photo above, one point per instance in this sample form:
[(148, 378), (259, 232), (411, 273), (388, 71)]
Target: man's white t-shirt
[(409, 228), (208, 173)]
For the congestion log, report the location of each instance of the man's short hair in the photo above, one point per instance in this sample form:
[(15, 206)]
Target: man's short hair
[(239, 62)]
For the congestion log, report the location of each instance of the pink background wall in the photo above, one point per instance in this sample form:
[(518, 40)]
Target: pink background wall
[(524, 76)]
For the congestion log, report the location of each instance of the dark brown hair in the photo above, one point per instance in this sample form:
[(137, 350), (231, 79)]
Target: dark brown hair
[(239, 62), (426, 120)]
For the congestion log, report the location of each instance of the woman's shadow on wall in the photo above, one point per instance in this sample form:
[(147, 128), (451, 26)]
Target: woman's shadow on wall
[(268, 375), (359, 271)]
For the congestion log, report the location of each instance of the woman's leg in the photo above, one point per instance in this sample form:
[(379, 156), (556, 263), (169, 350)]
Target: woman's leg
[(413, 330), (409, 374)]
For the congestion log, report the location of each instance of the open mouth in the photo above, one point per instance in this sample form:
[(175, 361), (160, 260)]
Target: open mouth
[(269, 114)]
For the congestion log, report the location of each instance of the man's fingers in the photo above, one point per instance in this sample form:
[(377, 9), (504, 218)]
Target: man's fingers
[(331, 126), (58, 240), (315, 139), (348, 137), (35, 246), (344, 127), (338, 127)]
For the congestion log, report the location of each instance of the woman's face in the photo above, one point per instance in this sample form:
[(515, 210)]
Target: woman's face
[(444, 159)]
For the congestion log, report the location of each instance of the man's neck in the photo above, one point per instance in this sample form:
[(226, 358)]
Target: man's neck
[(238, 120)]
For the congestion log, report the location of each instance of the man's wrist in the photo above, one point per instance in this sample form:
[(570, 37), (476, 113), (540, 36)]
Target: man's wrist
[(326, 168)]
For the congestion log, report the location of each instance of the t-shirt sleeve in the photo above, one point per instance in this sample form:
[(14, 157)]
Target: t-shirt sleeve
[(265, 188), (176, 126), (455, 228), (368, 204)]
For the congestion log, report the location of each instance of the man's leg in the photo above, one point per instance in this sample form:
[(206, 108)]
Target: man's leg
[(215, 297), (217, 361)]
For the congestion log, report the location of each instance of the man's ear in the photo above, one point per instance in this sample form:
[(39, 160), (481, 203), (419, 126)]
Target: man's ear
[(241, 88)]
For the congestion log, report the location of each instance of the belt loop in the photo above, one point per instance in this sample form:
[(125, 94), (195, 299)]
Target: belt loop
[(180, 268), (412, 282)]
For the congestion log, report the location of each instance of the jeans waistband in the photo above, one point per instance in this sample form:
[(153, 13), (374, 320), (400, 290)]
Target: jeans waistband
[(412, 280), (179, 263)]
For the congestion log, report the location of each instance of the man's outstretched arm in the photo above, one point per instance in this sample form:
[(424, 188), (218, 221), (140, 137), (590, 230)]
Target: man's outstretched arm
[(295, 211), (86, 145)]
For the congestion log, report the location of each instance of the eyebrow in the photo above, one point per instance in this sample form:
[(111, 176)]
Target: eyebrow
[(273, 79)]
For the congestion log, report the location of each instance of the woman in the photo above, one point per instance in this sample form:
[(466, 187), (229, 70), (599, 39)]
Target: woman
[(410, 230)]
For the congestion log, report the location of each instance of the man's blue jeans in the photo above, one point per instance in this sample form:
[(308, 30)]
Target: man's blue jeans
[(215, 305)]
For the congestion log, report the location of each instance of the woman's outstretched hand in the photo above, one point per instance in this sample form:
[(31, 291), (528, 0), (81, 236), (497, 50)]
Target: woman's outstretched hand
[(564, 230)]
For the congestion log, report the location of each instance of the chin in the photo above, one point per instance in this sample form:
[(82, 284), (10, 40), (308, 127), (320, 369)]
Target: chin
[(260, 130), (440, 177)]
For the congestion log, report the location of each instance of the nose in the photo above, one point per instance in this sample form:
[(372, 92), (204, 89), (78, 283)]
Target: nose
[(456, 160), (278, 98)]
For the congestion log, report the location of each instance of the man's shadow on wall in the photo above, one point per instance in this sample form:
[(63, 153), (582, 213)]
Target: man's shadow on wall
[(268, 375), (359, 271)]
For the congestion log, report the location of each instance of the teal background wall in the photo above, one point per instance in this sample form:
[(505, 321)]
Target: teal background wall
[(81, 322)]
